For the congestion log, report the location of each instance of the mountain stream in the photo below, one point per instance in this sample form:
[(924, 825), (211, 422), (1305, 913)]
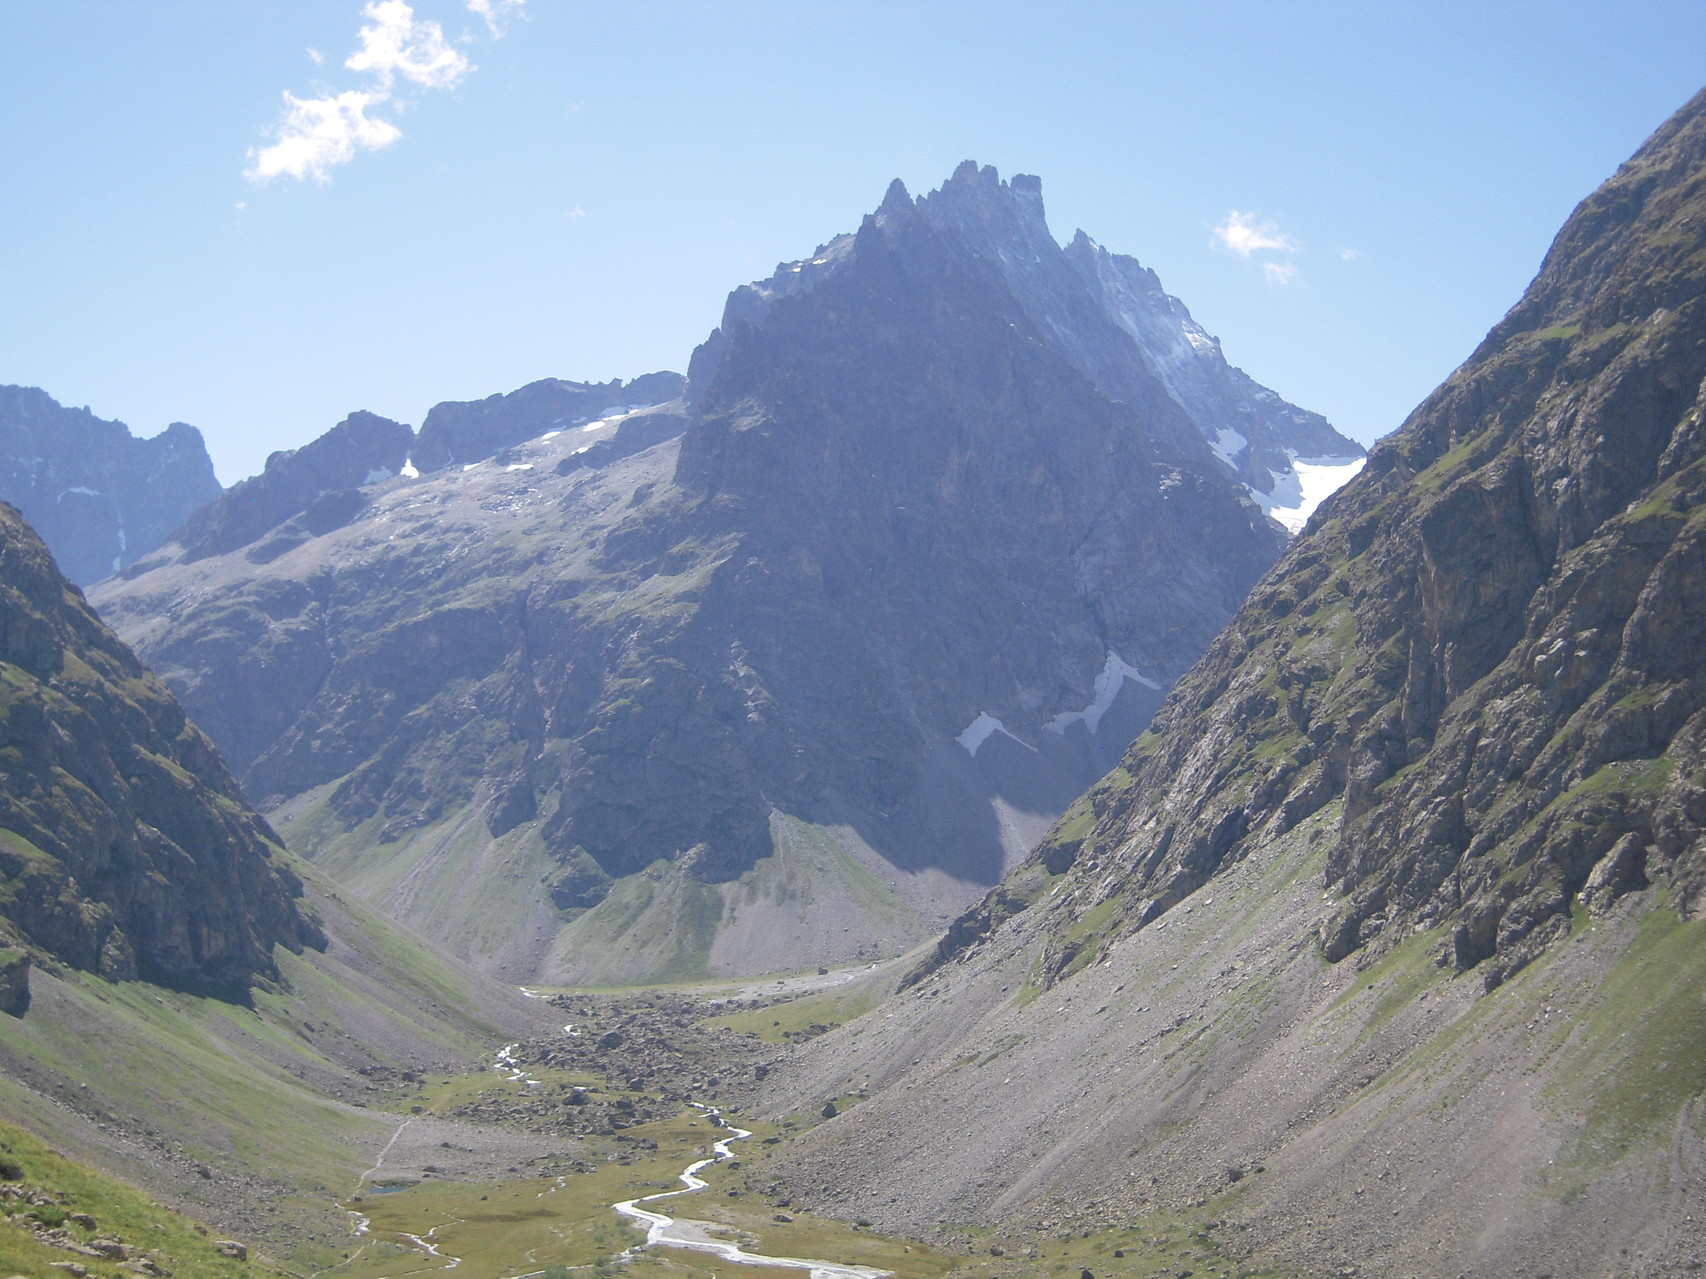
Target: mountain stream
[(663, 1231)]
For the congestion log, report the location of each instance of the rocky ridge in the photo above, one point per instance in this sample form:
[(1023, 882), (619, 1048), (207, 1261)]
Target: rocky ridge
[(1487, 647), (463, 432), (1111, 318), (99, 497)]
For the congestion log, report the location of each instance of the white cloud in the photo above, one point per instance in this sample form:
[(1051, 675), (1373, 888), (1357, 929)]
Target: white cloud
[(495, 13), (320, 133), (394, 44), (316, 57), (1279, 272), (1244, 235), (1350, 255)]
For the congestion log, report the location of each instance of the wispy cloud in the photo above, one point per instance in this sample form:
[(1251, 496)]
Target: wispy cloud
[(315, 135), (1350, 255), (1244, 234), (496, 13), (1279, 272)]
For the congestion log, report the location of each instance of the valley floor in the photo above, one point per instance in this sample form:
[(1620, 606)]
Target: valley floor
[(512, 1166)]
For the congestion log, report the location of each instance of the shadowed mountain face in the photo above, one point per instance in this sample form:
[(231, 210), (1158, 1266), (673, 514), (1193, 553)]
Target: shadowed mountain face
[(924, 514), (100, 498), (782, 673), (1384, 946), (125, 847)]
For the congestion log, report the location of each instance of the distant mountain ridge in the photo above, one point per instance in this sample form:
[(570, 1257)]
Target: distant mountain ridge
[(101, 498), (782, 672)]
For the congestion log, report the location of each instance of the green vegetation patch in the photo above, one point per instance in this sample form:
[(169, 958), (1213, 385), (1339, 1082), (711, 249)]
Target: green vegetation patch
[(1642, 1054), (40, 1191), (1395, 980), (793, 1019)]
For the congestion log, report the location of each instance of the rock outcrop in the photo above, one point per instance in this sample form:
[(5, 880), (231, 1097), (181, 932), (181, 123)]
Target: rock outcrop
[(1110, 317), (99, 497), (125, 847)]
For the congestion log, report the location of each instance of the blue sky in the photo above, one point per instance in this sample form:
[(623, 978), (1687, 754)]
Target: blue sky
[(571, 189)]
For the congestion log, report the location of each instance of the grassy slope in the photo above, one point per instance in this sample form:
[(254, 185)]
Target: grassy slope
[(173, 1241), (809, 897), (480, 898), (484, 900), (155, 1083)]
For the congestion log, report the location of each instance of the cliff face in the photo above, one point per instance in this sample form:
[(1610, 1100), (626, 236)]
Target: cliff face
[(125, 847), (1382, 950), (100, 498)]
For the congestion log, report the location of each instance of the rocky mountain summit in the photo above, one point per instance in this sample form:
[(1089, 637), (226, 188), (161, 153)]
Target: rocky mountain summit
[(1098, 309), (785, 670), (125, 847), (1383, 947), (100, 498)]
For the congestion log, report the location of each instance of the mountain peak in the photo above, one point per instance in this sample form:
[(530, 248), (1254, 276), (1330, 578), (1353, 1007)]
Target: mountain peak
[(977, 202), (895, 200)]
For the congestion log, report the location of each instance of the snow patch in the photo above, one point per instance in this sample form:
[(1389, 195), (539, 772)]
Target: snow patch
[(980, 730), (519, 466), (1228, 444), (1307, 483), (378, 475), (410, 471), (1115, 672)]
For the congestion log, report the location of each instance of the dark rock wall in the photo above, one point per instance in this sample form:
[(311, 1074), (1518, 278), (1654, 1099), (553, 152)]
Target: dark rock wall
[(125, 847), (921, 512)]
